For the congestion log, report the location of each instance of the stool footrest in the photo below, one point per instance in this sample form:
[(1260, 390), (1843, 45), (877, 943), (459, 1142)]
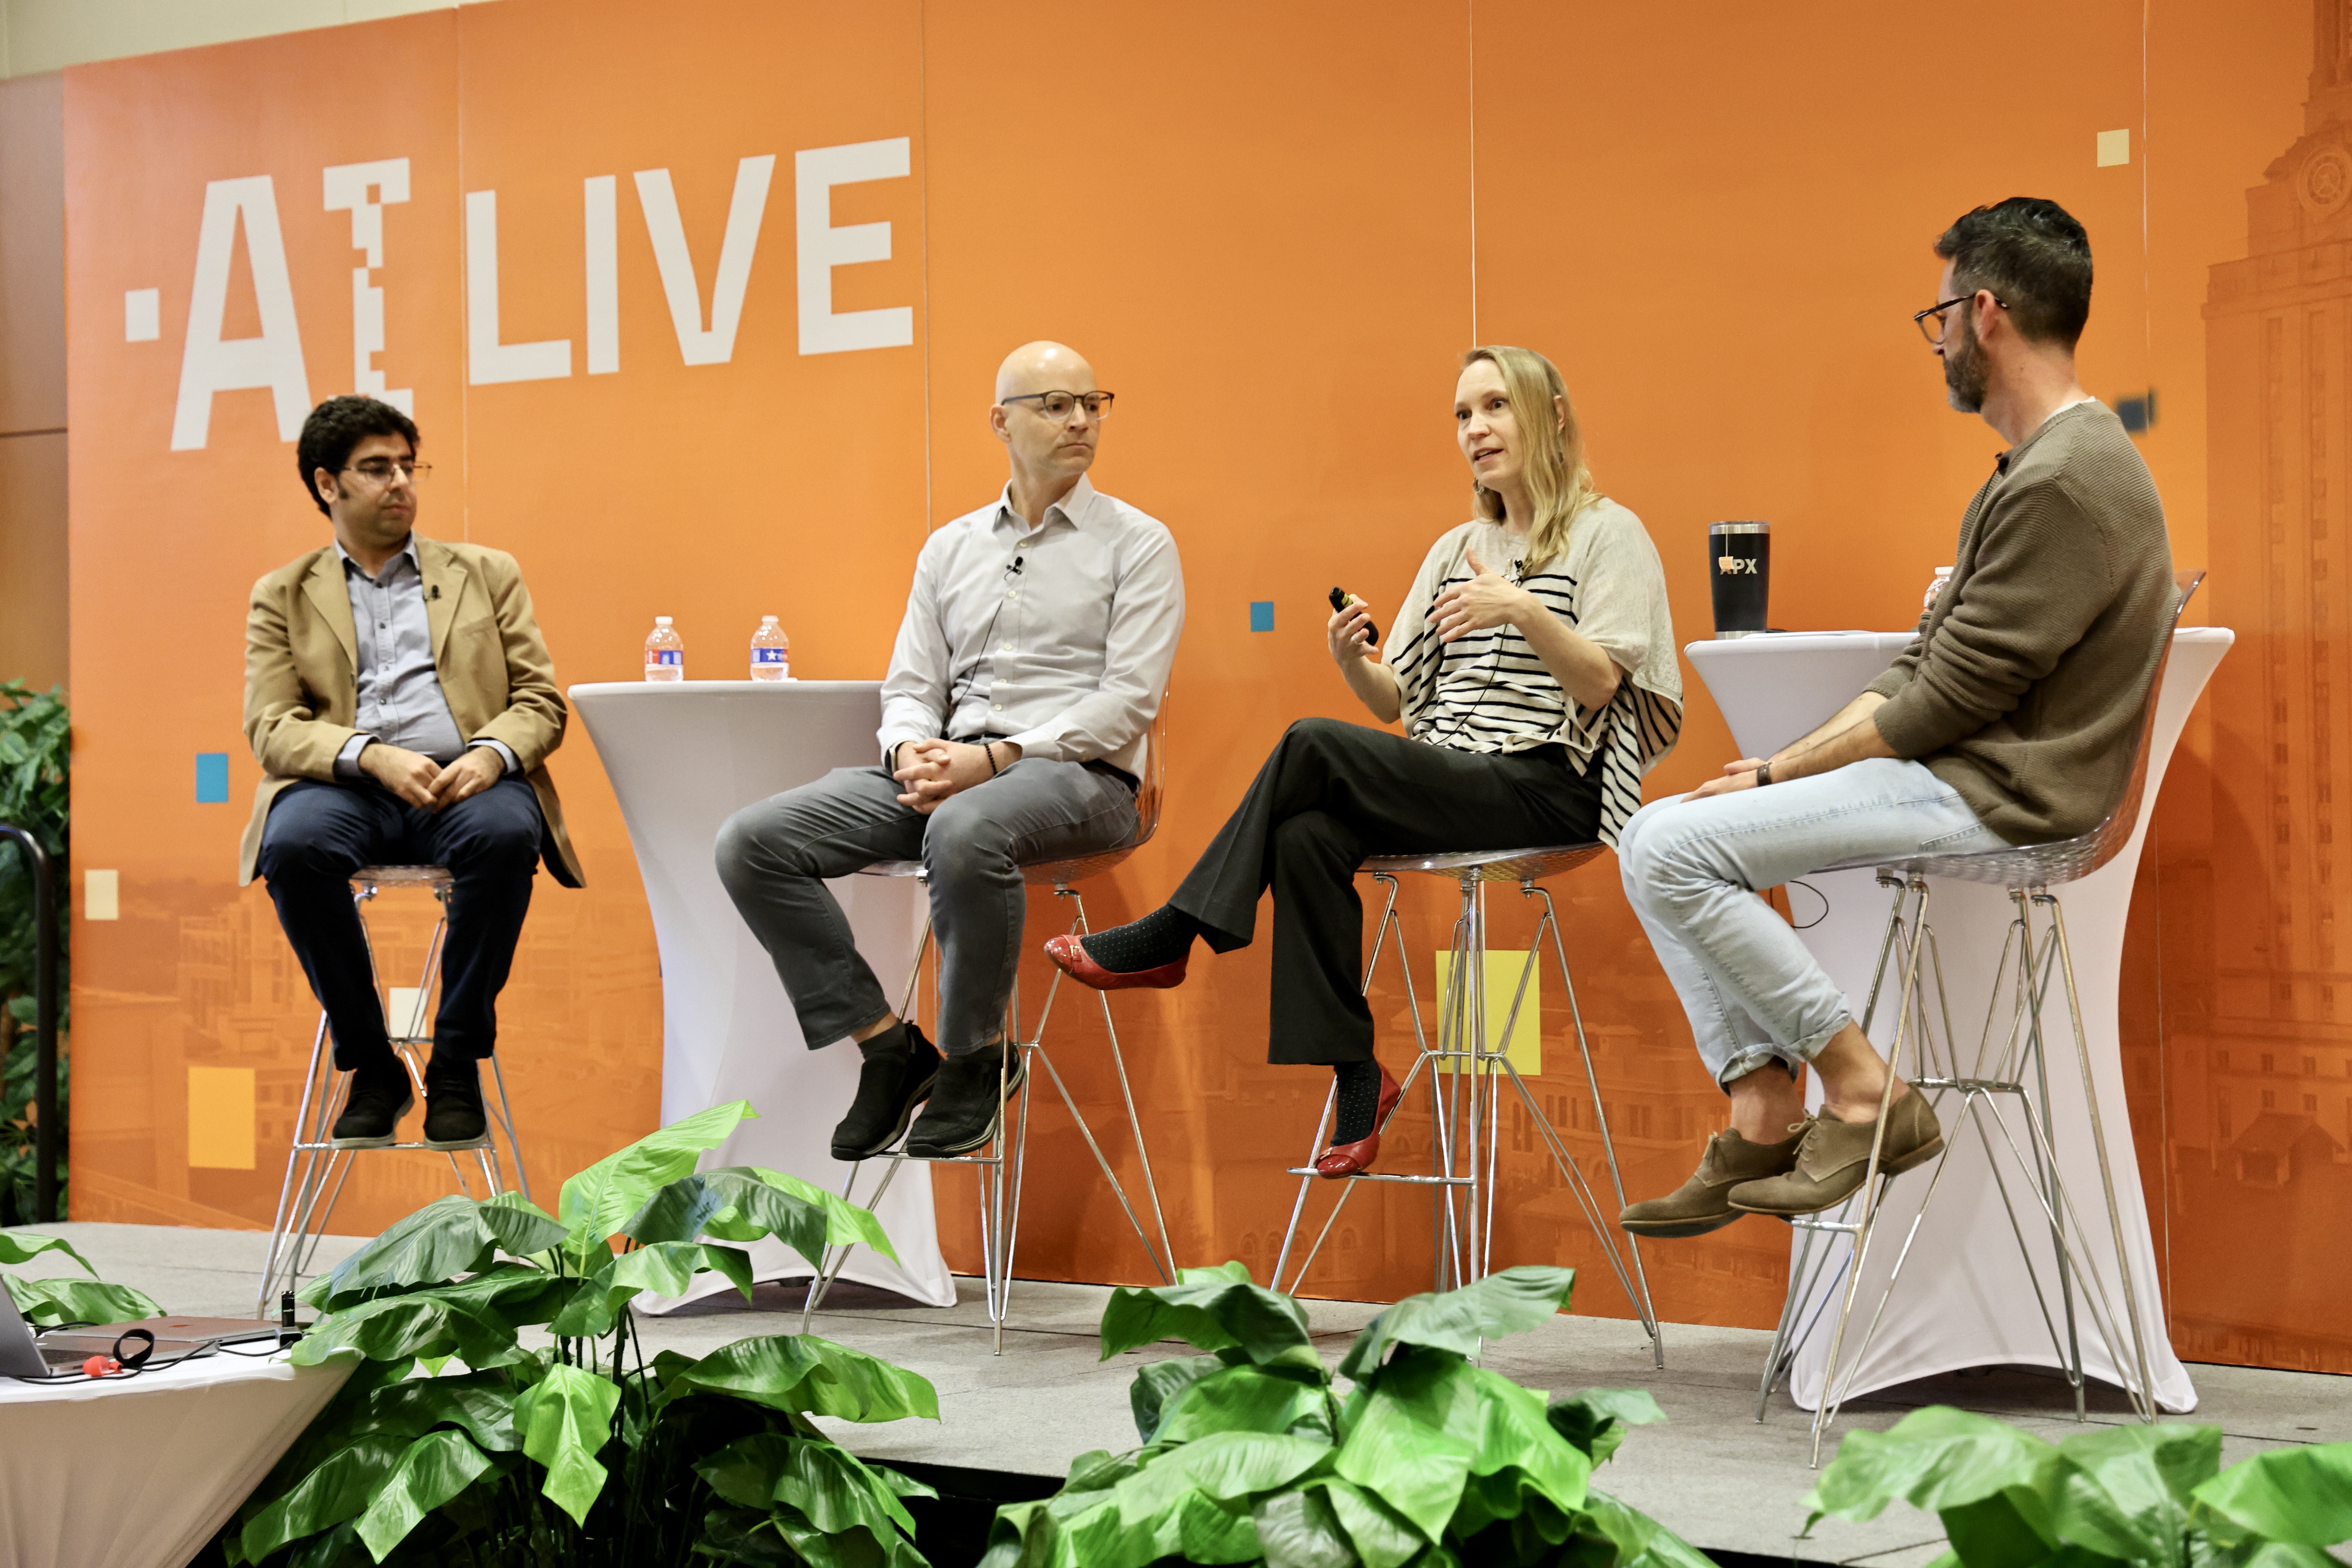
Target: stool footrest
[(1384, 1176), (331, 1147)]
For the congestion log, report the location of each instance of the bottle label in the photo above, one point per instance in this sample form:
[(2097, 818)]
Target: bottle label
[(665, 656), (771, 656)]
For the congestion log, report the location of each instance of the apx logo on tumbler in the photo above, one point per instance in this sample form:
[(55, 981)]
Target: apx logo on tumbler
[(1739, 566)]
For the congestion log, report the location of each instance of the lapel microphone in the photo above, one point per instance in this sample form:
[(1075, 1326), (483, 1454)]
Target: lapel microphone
[(433, 592)]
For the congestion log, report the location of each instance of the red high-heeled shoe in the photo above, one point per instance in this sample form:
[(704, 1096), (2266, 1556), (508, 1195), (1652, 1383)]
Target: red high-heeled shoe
[(1069, 955), (1355, 1159)]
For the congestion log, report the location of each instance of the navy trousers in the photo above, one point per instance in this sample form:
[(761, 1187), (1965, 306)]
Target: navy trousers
[(318, 834)]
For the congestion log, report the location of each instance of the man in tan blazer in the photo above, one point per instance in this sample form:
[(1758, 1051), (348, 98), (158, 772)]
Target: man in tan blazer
[(402, 705)]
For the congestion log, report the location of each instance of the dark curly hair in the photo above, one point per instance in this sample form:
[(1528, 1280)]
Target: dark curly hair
[(2034, 257), (337, 426)]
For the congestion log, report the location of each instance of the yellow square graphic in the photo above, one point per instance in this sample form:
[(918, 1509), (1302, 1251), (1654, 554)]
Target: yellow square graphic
[(1526, 1047), (2114, 147), (220, 1118)]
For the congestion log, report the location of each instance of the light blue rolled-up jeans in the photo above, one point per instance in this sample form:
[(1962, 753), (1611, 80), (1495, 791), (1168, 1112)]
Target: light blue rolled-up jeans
[(1692, 869)]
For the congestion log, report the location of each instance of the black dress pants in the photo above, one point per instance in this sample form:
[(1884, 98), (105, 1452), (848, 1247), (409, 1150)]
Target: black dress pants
[(1330, 795), (318, 834)]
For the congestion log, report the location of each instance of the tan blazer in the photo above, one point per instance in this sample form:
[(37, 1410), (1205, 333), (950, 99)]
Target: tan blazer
[(302, 676)]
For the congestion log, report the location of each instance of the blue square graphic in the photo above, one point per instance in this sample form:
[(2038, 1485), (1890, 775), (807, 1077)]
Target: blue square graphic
[(212, 778), (1261, 615)]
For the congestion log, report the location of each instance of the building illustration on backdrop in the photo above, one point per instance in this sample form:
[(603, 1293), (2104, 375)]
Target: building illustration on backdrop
[(2263, 1152)]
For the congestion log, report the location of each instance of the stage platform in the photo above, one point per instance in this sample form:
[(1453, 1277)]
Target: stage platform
[(1711, 1472)]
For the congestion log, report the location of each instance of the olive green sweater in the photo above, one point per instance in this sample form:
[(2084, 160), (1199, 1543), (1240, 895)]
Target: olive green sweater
[(2023, 689)]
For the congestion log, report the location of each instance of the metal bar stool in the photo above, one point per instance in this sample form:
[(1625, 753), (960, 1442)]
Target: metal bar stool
[(1466, 1117), (2008, 1069), (315, 1168), (1002, 1162)]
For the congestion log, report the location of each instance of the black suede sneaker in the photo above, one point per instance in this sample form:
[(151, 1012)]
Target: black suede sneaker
[(380, 1096), (453, 1103), (961, 1115), (891, 1085)]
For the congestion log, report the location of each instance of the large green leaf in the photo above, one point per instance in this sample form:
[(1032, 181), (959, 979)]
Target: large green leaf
[(666, 1267), (335, 1489), (2302, 1496), (424, 1324), (481, 1404), (1509, 1302), (846, 1223), (1174, 1504), (807, 1375), (1157, 1382), (1382, 1537), (2124, 1492), (1937, 1458), (521, 1227), (23, 1246), (1413, 1437), (829, 1487), (47, 1302), (1641, 1542), (1247, 1398), (1211, 1310), (1596, 1420), (1300, 1529), (435, 1468), (431, 1245), (598, 1200), (565, 1419)]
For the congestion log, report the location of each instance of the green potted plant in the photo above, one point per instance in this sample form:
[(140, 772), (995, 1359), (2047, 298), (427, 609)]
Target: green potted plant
[(502, 1410), (35, 738), (1251, 1454), (2149, 1497), (66, 1299)]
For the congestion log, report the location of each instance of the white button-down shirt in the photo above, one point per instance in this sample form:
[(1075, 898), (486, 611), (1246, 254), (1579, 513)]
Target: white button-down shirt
[(1057, 638)]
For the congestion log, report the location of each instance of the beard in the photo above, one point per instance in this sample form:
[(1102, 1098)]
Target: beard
[(1964, 371)]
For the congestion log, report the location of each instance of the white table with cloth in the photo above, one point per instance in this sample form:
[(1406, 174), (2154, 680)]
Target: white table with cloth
[(140, 1472), (1965, 1297), (684, 756)]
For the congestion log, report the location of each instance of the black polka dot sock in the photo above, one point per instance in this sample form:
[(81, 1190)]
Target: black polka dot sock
[(1163, 936), (1359, 1101)]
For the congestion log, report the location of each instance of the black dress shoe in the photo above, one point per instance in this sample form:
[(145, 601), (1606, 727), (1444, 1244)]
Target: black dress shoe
[(380, 1096), (961, 1115), (453, 1103), (891, 1085)]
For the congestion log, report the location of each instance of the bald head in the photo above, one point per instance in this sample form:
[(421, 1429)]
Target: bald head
[(1043, 366)]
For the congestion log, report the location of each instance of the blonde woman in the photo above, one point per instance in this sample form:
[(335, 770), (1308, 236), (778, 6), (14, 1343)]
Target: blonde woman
[(1533, 668)]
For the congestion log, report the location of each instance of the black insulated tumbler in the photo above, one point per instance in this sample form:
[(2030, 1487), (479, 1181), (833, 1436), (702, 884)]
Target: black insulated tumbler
[(1740, 564)]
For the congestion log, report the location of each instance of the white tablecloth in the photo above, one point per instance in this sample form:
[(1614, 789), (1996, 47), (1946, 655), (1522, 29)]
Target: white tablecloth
[(140, 1472), (1965, 1297), (683, 757)]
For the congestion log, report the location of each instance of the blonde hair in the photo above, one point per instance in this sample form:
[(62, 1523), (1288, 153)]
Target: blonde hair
[(1552, 457)]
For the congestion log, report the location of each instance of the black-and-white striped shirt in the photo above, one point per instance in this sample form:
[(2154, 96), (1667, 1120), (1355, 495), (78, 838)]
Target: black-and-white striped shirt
[(1489, 692)]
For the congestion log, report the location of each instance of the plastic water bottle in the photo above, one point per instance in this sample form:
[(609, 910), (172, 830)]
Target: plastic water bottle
[(1936, 589), (771, 652), (665, 653)]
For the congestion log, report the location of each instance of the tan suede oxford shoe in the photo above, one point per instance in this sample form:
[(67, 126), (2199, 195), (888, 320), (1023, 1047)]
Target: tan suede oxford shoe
[(1834, 1156), (1702, 1204)]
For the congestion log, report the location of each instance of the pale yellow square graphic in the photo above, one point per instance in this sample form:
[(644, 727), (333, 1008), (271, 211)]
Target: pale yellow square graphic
[(405, 1013), (101, 896), (1526, 1047), (220, 1118), (2115, 147)]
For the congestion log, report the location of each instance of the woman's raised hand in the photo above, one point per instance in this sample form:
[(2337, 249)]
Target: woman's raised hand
[(1484, 602), (1350, 633)]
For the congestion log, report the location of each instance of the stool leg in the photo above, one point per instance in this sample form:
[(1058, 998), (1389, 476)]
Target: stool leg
[(832, 1260), (2144, 1397), (1164, 1260), (1825, 1411), (505, 1120), (305, 1112)]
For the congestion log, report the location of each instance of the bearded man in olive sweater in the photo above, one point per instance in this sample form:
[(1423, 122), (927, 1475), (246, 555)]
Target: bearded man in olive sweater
[(2009, 720)]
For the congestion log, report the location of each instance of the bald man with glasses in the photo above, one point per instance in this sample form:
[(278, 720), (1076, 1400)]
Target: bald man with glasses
[(1036, 643)]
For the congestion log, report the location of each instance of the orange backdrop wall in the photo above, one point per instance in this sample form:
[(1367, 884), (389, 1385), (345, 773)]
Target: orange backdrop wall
[(1273, 230)]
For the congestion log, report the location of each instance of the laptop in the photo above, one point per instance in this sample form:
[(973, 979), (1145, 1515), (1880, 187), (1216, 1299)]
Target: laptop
[(23, 1354)]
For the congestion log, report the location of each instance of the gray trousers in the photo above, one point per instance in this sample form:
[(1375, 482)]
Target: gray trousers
[(775, 857)]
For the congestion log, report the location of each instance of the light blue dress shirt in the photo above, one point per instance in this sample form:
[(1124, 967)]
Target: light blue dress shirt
[(400, 697)]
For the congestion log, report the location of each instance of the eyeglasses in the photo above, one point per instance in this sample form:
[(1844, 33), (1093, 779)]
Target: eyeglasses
[(1057, 405), (1933, 329), (381, 470)]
